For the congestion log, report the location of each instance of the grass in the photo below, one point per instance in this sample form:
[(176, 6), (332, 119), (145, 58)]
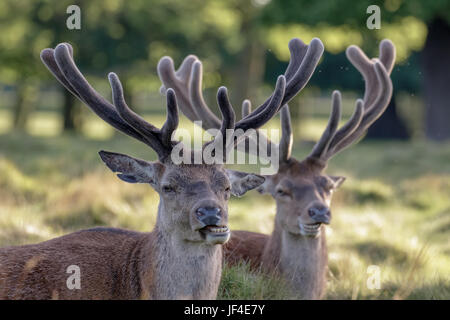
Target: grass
[(393, 211)]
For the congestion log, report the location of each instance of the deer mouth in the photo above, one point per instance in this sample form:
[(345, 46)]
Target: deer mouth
[(310, 230), (215, 234)]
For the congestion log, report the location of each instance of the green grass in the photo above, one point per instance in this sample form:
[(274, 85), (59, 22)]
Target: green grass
[(393, 211)]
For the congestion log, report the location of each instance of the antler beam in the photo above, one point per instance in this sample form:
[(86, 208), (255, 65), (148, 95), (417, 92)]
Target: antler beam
[(60, 63), (378, 93), (188, 84)]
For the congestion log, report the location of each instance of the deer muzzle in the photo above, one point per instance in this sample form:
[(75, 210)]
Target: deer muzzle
[(213, 228)]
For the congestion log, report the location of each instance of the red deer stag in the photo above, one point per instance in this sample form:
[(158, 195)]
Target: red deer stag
[(302, 191), (182, 257)]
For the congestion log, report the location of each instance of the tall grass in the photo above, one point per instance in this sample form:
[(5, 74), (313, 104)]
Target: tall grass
[(393, 211)]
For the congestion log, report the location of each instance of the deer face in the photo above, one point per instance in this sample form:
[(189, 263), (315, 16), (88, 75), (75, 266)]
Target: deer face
[(303, 195), (194, 198)]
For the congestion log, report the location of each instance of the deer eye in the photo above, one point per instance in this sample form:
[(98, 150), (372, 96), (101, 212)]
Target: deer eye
[(227, 193), (326, 184), (168, 189), (328, 188), (283, 193)]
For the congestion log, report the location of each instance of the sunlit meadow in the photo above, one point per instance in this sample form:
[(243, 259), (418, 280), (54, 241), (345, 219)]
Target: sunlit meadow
[(393, 211)]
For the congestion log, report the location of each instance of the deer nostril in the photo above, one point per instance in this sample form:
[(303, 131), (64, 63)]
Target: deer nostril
[(209, 215), (208, 211), (199, 213), (320, 214), (318, 211)]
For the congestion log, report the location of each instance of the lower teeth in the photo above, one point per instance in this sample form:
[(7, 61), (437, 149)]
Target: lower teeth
[(217, 230)]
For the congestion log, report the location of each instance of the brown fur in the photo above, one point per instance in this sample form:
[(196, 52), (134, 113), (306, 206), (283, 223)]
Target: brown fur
[(174, 261), (302, 260), (245, 246), (38, 271), (297, 246)]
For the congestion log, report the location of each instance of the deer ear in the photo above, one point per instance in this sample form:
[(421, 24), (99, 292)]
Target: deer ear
[(338, 180), (132, 170), (241, 182), (267, 186)]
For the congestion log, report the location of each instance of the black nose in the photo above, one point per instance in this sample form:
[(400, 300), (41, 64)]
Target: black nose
[(320, 214), (209, 216)]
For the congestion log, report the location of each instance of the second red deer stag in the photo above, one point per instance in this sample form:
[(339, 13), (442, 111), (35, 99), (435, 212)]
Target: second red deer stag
[(297, 246)]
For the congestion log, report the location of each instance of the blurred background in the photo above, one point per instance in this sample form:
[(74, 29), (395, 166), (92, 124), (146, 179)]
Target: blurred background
[(394, 209)]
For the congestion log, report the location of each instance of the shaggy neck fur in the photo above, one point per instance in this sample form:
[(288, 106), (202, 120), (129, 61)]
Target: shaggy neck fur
[(182, 269), (301, 260)]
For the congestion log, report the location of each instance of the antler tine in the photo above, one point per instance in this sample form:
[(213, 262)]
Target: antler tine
[(350, 126), (179, 81), (387, 54), (172, 120), (159, 140), (365, 66), (305, 70), (285, 145), (228, 116), (254, 119), (246, 108), (187, 81), (377, 95), (372, 113), (297, 49), (60, 62), (303, 61), (209, 119), (322, 145), (228, 119), (374, 83), (48, 58), (133, 119)]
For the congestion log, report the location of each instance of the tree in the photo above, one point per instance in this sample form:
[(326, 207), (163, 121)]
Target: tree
[(401, 21), (436, 66), (118, 35)]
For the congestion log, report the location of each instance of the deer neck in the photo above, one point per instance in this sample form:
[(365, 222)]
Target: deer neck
[(301, 260), (181, 269)]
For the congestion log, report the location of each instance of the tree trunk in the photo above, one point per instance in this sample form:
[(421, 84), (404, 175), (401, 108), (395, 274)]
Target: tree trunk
[(389, 125), (24, 105), (436, 71), (250, 68), (71, 116), (249, 73)]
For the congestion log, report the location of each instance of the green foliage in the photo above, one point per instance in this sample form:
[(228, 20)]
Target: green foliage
[(354, 13), (242, 283), (117, 34), (342, 23)]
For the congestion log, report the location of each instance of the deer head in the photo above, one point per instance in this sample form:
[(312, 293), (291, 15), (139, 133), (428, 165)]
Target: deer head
[(193, 197), (301, 189)]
